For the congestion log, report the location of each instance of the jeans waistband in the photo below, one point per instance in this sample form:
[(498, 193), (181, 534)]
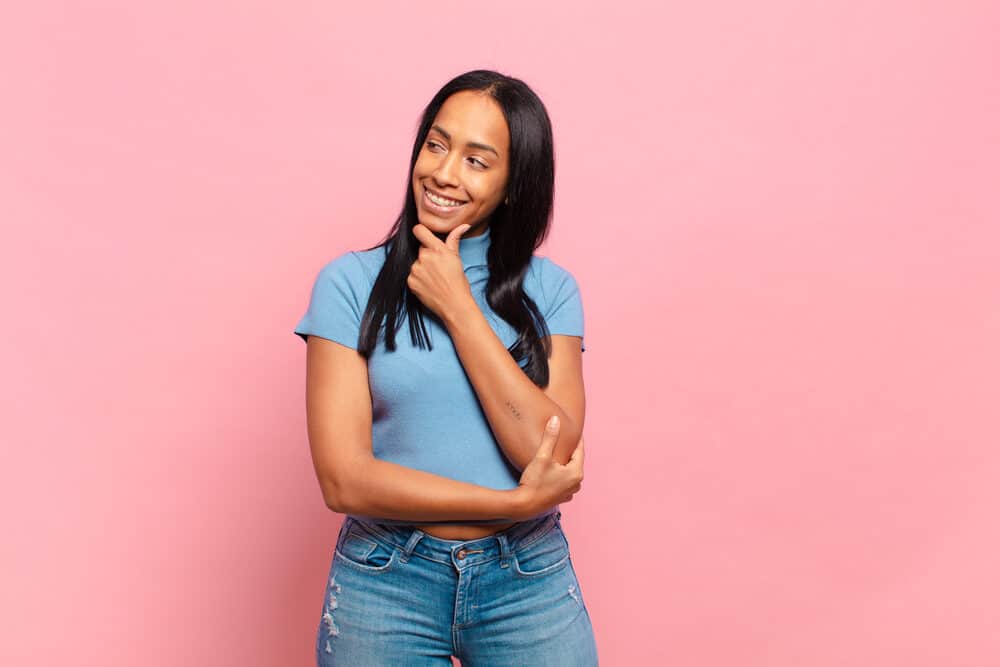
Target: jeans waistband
[(460, 552)]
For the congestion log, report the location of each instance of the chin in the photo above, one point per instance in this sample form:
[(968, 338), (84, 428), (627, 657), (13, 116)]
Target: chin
[(429, 219), (432, 222)]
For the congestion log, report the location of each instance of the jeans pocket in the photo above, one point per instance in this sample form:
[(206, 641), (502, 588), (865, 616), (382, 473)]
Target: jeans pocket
[(362, 552), (546, 554)]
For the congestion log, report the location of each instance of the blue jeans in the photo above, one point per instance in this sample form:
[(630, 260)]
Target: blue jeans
[(398, 596)]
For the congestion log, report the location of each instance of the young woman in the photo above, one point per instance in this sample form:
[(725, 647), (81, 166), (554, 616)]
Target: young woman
[(433, 440)]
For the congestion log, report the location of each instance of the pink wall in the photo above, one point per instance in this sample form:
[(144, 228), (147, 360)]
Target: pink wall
[(784, 221)]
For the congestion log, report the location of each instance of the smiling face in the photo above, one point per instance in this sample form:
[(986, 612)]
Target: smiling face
[(463, 163)]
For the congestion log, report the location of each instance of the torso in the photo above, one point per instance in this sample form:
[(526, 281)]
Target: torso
[(464, 532), (406, 417)]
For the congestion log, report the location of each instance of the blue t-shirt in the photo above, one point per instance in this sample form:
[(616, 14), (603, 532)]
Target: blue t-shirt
[(425, 412)]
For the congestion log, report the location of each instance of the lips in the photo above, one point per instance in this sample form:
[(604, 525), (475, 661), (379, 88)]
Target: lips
[(438, 209), (443, 196)]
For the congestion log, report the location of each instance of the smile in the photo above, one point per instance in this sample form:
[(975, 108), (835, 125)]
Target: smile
[(442, 203)]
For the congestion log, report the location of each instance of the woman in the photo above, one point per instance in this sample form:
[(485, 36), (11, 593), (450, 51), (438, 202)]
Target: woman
[(433, 442)]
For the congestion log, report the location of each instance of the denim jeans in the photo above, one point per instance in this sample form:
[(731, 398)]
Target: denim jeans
[(398, 596)]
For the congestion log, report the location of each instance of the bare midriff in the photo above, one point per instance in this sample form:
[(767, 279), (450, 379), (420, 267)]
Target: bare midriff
[(451, 531)]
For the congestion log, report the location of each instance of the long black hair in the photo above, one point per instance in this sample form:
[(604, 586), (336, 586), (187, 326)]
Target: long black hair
[(517, 227)]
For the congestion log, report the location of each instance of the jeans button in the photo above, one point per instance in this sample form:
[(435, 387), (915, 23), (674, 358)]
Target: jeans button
[(461, 554)]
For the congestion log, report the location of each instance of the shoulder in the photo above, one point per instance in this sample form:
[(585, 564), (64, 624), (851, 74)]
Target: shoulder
[(549, 276), (354, 268), (371, 261)]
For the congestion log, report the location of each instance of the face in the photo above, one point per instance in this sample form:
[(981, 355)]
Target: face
[(464, 161)]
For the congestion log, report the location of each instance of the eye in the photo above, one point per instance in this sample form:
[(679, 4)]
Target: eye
[(479, 162), (432, 143)]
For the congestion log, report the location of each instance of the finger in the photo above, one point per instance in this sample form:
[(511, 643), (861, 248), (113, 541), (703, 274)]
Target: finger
[(455, 235), (426, 236), (549, 437)]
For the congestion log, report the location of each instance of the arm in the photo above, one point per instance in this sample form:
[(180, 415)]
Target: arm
[(352, 480), (384, 489), (516, 408)]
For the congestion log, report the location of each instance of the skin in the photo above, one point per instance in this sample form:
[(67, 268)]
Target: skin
[(438, 280), (338, 398), (456, 163), (448, 166)]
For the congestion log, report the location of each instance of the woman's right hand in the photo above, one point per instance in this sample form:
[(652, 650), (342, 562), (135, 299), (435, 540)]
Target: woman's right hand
[(546, 482)]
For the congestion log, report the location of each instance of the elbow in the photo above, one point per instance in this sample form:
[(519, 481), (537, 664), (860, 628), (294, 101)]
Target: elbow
[(333, 504), (569, 438), (331, 498), (339, 502), (566, 442), (340, 487), (335, 495)]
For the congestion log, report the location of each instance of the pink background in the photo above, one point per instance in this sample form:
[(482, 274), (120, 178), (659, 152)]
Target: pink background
[(784, 220)]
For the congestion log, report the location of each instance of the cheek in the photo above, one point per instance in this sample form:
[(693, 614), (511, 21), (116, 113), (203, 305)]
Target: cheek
[(486, 192), (422, 165)]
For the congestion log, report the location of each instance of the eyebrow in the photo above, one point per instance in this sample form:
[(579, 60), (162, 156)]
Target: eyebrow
[(471, 144)]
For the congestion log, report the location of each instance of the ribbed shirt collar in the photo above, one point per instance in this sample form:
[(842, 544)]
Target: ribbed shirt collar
[(473, 249)]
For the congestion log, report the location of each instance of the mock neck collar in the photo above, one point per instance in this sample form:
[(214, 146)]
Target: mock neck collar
[(473, 249)]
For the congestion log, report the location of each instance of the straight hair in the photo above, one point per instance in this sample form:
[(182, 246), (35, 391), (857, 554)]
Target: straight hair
[(517, 228)]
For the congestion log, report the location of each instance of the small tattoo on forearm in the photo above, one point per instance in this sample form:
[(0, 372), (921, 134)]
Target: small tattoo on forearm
[(513, 410)]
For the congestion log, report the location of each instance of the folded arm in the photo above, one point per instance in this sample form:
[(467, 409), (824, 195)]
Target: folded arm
[(353, 481), (516, 408)]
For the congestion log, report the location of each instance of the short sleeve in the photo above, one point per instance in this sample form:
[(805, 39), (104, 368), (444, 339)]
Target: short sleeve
[(564, 306), (337, 303)]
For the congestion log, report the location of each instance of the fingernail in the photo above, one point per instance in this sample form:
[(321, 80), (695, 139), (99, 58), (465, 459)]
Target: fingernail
[(553, 423)]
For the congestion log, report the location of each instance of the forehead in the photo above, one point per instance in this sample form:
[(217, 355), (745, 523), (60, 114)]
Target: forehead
[(474, 116)]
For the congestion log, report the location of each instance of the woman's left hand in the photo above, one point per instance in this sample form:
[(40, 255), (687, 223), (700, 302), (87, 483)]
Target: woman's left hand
[(437, 276)]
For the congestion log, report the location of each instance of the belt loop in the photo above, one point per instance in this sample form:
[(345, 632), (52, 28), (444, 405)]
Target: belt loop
[(504, 548), (410, 544), (345, 524)]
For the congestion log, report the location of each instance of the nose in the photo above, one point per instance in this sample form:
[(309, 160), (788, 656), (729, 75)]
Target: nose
[(445, 172)]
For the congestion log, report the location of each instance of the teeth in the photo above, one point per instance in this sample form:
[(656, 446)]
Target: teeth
[(443, 202)]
